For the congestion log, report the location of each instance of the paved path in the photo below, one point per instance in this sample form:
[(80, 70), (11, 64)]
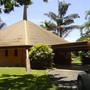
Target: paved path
[(65, 79)]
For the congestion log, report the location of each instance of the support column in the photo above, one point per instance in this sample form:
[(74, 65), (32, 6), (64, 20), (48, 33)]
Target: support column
[(28, 67)]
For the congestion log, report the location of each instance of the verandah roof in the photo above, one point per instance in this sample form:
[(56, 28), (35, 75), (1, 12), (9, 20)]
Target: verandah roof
[(75, 46)]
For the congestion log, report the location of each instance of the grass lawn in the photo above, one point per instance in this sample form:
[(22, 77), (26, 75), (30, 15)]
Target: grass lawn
[(15, 78), (76, 60)]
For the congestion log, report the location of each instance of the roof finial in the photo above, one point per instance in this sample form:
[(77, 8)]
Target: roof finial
[(25, 13)]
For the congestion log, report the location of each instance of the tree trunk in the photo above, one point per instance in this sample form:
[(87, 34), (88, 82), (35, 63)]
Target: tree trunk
[(61, 29)]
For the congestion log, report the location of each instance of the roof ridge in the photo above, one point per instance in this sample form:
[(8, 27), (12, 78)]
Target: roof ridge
[(26, 37)]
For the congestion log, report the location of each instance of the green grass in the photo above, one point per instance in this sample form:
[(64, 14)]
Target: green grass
[(15, 78), (76, 60)]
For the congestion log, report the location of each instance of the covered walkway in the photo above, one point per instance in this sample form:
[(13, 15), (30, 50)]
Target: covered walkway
[(75, 46)]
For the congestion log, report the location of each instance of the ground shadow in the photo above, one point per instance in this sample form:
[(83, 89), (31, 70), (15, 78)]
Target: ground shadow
[(73, 66), (67, 85), (24, 82), (63, 84)]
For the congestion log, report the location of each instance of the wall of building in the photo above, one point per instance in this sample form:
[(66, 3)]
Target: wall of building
[(11, 59), (62, 58)]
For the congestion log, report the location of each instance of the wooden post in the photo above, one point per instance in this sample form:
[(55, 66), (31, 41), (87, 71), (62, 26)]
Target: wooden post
[(28, 67)]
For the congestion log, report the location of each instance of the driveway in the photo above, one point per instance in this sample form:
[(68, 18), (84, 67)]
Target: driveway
[(65, 77)]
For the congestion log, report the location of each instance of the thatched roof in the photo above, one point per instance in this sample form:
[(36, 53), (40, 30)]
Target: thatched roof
[(25, 32)]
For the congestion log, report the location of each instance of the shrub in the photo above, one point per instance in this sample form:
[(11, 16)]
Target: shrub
[(85, 57), (41, 56)]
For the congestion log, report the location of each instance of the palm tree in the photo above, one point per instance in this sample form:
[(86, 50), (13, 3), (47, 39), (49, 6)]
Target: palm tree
[(1, 24), (48, 25), (86, 26), (63, 21)]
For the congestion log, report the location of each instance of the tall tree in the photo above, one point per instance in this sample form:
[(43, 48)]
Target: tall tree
[(8, 5), (63, 21)]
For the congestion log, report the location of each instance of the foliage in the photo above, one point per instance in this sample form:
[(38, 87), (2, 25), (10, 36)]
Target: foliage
[(41, 56), (63, 21), (85, 35), (15, 78), (56, 33), (75, 53), (2, 24), (48, 25), (85, 57), (76, 60), (10, 4), (85, 28)]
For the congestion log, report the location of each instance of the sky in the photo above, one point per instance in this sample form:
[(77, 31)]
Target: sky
[(35, 14)]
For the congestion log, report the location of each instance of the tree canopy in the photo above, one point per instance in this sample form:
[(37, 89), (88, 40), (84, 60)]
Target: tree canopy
[(62, 21), (9, 5), (85, 28)]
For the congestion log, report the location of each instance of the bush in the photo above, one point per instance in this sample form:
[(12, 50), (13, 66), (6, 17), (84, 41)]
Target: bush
[(41, 56), (85, 57)]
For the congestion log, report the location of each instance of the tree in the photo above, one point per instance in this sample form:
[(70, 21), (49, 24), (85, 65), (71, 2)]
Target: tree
[(85, 35), (2, 24), (48, 25), (85, 28), (41, 56), (63, 21), (8, 5)]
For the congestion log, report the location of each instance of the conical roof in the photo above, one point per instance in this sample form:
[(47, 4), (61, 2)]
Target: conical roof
[(25, 32)]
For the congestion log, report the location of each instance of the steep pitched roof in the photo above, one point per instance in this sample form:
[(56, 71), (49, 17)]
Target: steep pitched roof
[(25, 32)]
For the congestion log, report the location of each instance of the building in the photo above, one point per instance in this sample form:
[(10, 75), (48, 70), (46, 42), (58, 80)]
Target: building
[(16, 40)]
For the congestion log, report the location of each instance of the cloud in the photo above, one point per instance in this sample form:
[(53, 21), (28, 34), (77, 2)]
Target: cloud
[(70, 39)]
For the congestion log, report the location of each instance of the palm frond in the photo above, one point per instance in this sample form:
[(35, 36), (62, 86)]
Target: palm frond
[(72, 27), (65, 34), (85, 25), (43, 26), (68, 21), (68, 29), (87, 14), (2, 25), (73, 16), (49, 25), (53, 16), (62, 8)]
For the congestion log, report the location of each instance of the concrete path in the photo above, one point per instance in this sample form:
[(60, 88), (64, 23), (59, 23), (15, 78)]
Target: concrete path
[(66, 79)]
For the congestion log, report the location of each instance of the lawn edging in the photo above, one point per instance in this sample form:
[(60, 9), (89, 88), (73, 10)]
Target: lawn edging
[(51, 77)]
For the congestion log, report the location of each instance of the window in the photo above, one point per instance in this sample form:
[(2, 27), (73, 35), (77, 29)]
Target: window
[(6, 52), (16, 52)]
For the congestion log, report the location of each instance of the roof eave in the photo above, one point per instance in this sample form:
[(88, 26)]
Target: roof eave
[(75, 46), (15, 46)]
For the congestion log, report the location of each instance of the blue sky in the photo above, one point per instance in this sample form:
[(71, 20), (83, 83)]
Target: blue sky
[(36, 13)]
